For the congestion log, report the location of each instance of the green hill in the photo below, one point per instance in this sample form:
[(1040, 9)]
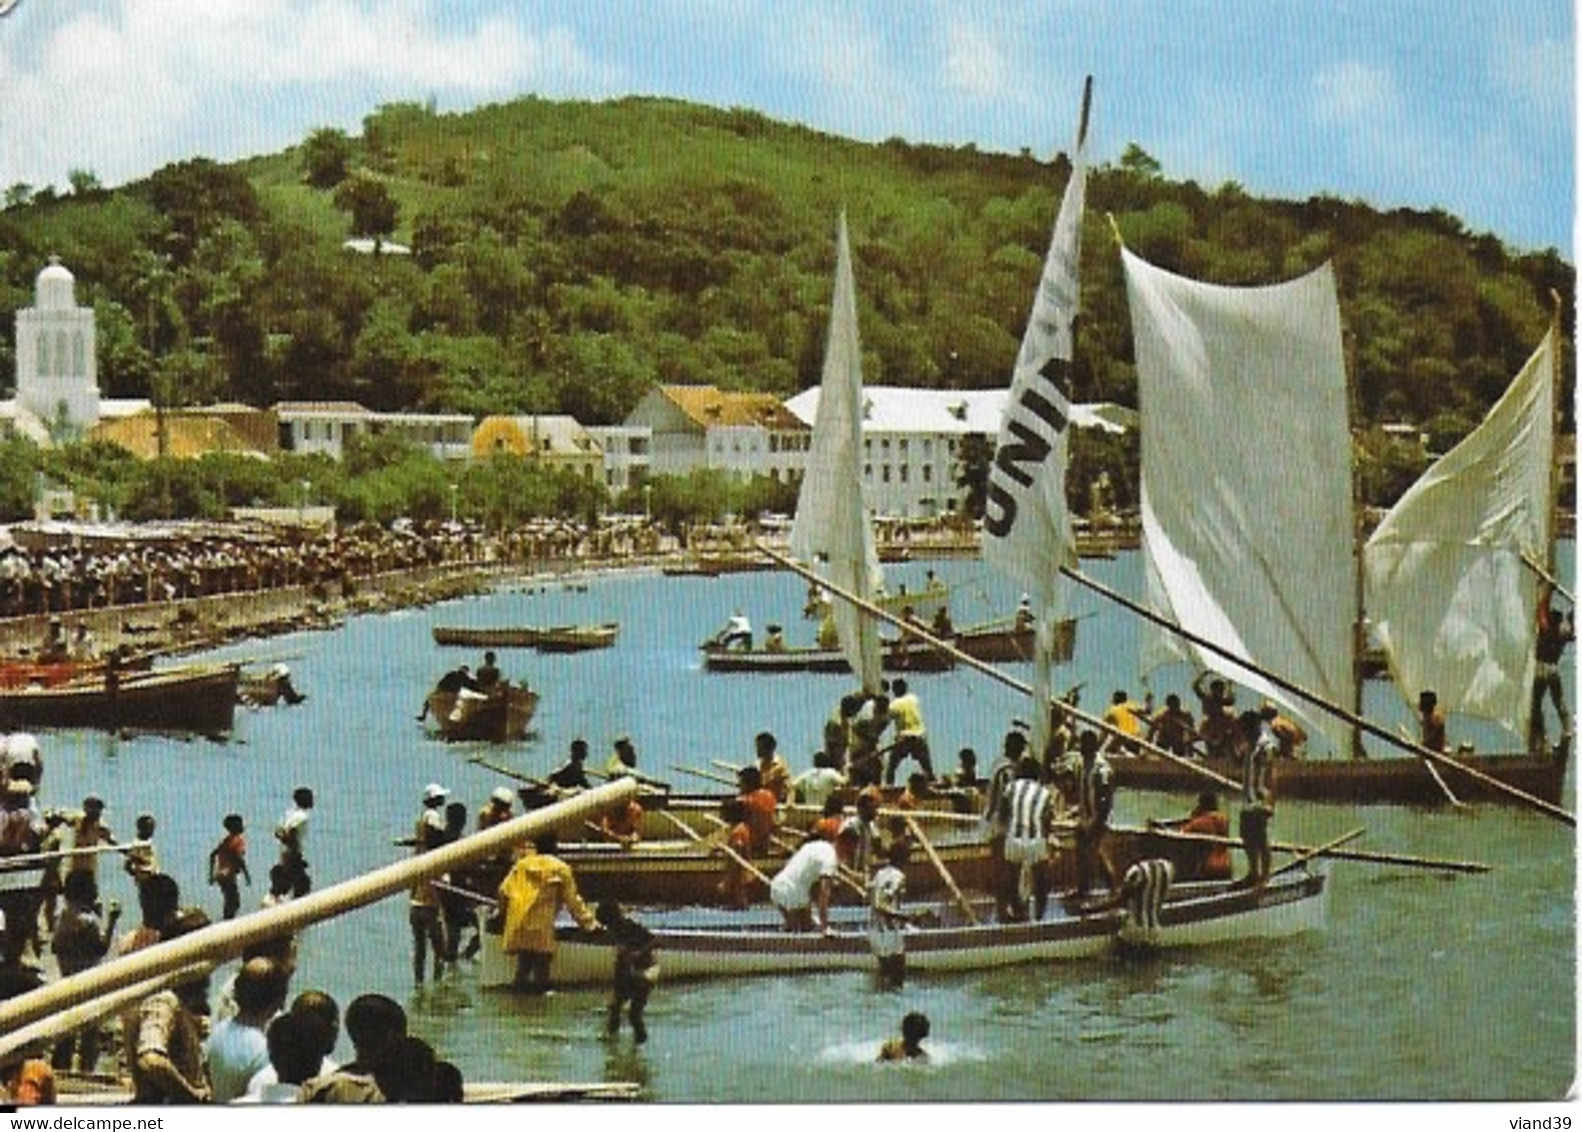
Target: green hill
[(567, 255)]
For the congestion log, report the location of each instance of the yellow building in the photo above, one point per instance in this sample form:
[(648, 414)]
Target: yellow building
[(554, 441)]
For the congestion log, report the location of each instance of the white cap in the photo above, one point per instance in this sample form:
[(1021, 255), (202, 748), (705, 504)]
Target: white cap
[(434, 791), (503, 795)]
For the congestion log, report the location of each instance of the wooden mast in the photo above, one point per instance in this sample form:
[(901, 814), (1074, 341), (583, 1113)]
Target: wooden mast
[(1359, 626)]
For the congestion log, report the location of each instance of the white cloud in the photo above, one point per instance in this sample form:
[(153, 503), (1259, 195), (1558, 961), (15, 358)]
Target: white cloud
[(115, 93), (1351, 93), (852, 83), (975, 63)]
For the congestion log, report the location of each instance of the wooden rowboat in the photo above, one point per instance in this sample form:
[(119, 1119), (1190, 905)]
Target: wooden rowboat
[(198, 698), (1400, 780), (20, 672), (899, 656), (552, 638), (1003, 641), (500, 716), (696, 943), (577, 638)]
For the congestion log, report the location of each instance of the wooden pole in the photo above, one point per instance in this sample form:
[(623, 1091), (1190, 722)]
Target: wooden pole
[(90, 1011), (1355, 720), (1554, 583), (225, 940), (1367, 856), (994, 673), (939, 866), (726, 849), (1307, 855), (706, 775), (1443, 785), (36, 860)]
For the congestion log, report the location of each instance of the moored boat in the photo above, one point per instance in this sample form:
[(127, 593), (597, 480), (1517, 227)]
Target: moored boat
[(897, 656), (552, 638), (1401, 780), (695, 944), (1006, 641), (577, 638), (500, 715), (198, 698)]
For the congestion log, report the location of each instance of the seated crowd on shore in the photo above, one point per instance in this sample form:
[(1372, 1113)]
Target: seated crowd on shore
[(203, 560)]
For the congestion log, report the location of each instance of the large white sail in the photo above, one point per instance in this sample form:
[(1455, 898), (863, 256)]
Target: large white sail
[(1448, 594), (831, 531), (1026, 524), (1247, 511)]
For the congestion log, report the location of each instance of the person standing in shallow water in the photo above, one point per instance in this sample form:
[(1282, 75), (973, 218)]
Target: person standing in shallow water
[(533, 892), (227, 862)]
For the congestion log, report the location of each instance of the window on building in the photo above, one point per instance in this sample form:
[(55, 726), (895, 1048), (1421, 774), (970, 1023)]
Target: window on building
[(902, 445), (928, 448), (867, 471), (884, 473), (928, 473), (904, 469)]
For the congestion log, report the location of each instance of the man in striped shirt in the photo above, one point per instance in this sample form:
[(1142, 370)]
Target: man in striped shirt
[(1260, 748), (1095, 797), (1029, 809)]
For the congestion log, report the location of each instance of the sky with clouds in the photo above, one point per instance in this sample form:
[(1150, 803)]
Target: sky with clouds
[(1464, 105)]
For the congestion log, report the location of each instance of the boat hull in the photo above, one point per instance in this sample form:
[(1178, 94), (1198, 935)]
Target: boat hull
[(1007, 644), (909, 656), (501, 717), (551, 638), (1403, 781), (724, 945), (194, 698)]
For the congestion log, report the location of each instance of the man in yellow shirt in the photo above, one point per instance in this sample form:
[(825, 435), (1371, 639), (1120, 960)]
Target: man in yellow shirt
[(532, 894), (1129, 717), (911, 737)]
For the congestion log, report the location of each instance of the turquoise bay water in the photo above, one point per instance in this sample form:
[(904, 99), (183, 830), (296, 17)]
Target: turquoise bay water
[(1423, 987)]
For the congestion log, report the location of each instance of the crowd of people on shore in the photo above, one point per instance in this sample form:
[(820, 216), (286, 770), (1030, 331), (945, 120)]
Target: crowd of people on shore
[(73, 572)]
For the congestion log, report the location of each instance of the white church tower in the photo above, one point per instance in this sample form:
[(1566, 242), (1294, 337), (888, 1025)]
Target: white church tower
[(56, 365)]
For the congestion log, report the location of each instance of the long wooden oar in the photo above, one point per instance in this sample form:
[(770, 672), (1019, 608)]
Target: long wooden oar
[(37, 860), (704, 774), (1443, 785), (1350, 717), (1304, 857), (996, 674), (726, 849), (1369, 856), (939, 866)]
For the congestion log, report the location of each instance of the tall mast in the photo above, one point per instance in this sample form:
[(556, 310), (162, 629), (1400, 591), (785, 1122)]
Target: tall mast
[(1359, 625), (1552, 520)]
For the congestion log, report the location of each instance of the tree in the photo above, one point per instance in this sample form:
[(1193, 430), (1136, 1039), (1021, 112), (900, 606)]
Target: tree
[(374, 212), (972, 473), (19, 195), (84, 182), (326, 158), (1140, 163)]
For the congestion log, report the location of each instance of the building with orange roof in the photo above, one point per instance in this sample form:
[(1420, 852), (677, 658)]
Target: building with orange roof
[(703, 426)]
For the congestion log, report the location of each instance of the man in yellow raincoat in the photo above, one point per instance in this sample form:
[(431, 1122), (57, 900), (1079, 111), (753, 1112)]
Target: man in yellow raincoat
[(532, 894)]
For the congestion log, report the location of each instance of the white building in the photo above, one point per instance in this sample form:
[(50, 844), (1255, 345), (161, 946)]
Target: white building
[(329, 426), (912, 441), (628, 452), (700, 426), (57, 384)]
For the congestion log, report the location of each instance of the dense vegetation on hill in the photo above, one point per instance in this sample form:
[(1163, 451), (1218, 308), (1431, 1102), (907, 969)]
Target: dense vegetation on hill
[(565, 256)]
